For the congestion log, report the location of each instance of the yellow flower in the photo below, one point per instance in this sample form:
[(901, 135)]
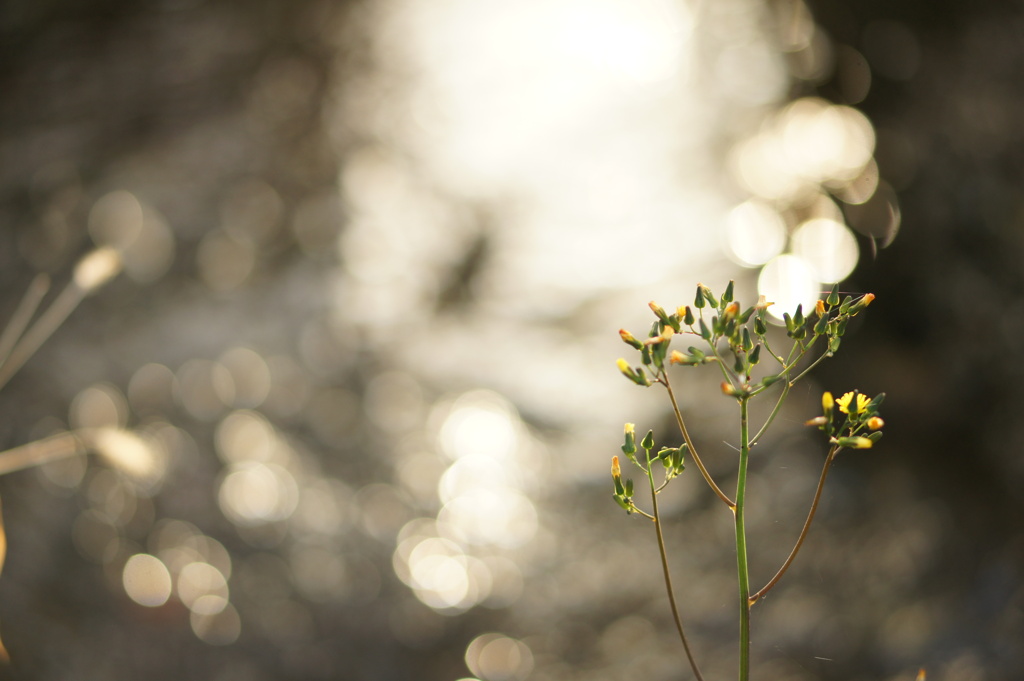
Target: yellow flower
[(844, 403), (629, 428), (875, 422), (827, 402)]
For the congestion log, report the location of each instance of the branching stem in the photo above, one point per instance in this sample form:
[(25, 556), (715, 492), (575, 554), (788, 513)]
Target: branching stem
[(803, 533), (693, 449)]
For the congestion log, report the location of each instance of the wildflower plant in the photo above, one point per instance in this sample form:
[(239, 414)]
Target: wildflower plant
[(736, 341)]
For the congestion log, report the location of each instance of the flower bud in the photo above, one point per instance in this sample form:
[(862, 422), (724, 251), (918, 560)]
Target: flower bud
[(816, 421), (629, 446), (833, 296), (861, 303), (616, 471), (875, 422), (659, 311), (676, 357), (827, 403), (819, 307), (855, 442), (629, 339)]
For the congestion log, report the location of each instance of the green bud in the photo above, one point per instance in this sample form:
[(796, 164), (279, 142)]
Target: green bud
[(821, 326), (629, 446), (727, 296), (745, 317), (845, 306), (705, 332), (621, 501), (857, 442), (760, 328), (659, 311), (798, 318), (629, 339), (748, 342), (620, 490), (677, 461), (708, 296), (648, 442), (770, 380), (861, 303), (755, 356), (688, 318), (698, 300), (629, 487), (833, 296)]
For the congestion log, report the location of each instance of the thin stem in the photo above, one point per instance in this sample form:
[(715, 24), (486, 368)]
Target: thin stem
[(693, 449), (668, 576), (825, 355), (775, 412), (23, 315), (803, 533), (741, 543), (59, 446), (48, 322)]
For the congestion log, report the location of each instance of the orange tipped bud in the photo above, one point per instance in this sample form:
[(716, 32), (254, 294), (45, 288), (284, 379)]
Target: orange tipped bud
[(875, 422), (616, 471)]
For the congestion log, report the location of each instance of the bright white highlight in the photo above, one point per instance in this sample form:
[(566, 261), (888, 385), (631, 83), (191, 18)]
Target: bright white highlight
[(788, 281), (147, 581), (828, 247)]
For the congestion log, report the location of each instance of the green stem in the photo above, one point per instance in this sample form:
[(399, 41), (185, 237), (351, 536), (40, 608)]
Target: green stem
[(775, 412), (693, 449), (667, 574), (741, 543)]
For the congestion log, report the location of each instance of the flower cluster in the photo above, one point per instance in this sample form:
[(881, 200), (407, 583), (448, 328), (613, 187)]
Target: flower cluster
[(743, 332), (857, 415)]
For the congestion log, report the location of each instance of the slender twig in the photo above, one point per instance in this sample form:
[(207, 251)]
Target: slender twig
[(775, 412), (23, 315), (825, 355), (693, 449), (668, 576), (803, 533), (741, 543), (48, 322), (59, 446)]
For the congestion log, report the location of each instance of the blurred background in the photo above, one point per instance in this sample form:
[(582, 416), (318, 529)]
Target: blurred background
[(352, 400)]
